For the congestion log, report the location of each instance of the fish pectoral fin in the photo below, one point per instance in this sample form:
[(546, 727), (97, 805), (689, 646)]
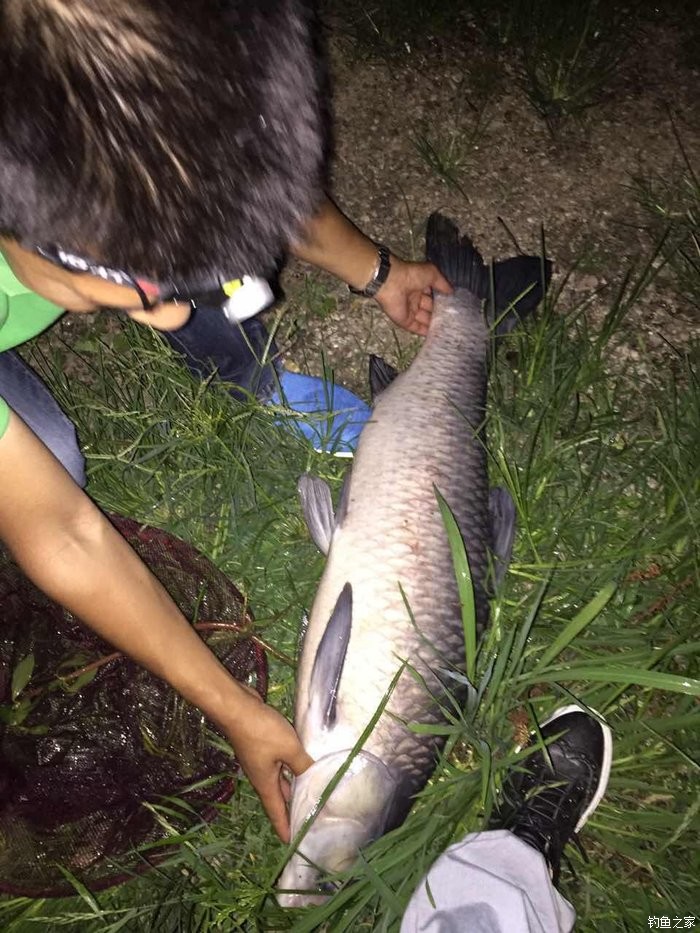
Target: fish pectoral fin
[(317, 506), (503, 516), (329, 661), (381, 374)]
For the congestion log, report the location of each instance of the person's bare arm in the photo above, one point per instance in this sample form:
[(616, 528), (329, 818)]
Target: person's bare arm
[(333, 243), (69, 549)]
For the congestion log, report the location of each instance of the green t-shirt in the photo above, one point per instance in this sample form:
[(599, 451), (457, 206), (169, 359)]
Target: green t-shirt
[(22, 315)]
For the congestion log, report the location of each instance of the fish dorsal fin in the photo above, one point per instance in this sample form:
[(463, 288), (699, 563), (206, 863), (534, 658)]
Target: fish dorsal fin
[(317, 506), (502, 509), (381, 374), (329, 661)]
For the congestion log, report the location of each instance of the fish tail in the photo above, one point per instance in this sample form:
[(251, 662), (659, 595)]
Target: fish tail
[(514, 287)]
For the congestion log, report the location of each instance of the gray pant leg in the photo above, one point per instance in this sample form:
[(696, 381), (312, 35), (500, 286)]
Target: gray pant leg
[(490, 882), (29, 397)]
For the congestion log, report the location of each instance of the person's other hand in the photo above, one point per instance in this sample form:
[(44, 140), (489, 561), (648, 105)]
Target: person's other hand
[(407, 295), (264, 741)]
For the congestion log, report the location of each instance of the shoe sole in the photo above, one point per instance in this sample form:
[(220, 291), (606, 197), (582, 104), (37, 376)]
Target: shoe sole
[(607, 755)]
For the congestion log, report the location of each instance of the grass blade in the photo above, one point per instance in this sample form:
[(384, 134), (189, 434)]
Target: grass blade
[(581, 620), (465, 587)]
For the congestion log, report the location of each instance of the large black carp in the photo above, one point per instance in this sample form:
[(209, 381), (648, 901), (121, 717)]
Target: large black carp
[(388, 595)]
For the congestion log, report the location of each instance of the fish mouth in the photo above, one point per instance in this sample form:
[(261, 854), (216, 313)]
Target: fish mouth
[(354, 814)]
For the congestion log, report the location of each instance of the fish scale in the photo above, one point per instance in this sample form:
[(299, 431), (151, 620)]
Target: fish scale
[(398, 463), (389, 549)]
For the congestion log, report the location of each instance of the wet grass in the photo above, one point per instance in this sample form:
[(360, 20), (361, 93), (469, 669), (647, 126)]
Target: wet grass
[(600, 604)]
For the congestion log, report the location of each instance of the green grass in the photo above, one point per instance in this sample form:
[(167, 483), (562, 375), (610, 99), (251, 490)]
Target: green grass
[(448, 151), (565, 52), (445, 154), (601, 604), (672, 210)]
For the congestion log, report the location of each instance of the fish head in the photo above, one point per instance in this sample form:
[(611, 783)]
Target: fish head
[(354, 814)]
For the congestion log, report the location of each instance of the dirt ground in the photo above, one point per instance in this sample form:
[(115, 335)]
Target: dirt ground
[(513, 174)]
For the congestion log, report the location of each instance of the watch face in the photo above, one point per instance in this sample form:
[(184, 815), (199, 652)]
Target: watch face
[(381, 273)]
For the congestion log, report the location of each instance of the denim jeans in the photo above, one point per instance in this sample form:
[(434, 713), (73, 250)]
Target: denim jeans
[(240, 354), (208, 342)]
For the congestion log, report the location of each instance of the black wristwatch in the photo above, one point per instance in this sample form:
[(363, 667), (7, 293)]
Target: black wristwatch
[(380, 276)]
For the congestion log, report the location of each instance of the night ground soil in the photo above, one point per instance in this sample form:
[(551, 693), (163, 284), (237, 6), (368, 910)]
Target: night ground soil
[(515, 176), (574, 181)]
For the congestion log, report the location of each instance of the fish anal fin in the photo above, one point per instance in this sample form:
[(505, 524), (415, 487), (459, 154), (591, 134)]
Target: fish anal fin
[(381, 375), (328, 663), (317, 506)]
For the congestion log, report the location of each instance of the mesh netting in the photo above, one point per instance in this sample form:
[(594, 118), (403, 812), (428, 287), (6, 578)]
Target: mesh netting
[(93, 736)]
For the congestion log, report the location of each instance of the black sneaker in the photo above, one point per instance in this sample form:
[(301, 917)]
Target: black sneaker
[(553, 792)]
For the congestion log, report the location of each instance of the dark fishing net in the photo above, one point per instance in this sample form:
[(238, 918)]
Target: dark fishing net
[(92, 737)]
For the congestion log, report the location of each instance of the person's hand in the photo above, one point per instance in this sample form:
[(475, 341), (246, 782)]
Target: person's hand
[(264, 741), (406, 296)]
